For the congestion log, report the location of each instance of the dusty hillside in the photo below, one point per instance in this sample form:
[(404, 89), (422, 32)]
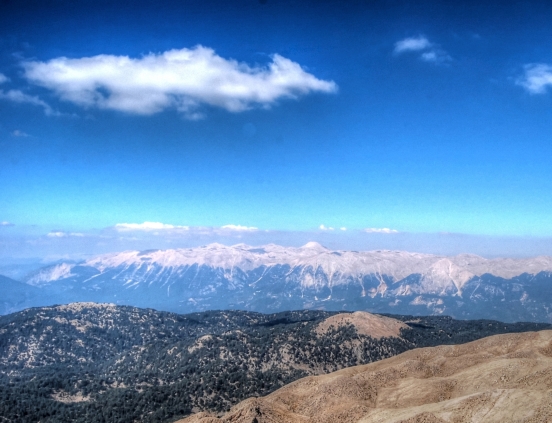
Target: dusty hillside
[(503, 378), (365, 324), (98, 363)]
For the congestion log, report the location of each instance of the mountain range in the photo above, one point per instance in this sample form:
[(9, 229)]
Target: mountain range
[(274, 278)]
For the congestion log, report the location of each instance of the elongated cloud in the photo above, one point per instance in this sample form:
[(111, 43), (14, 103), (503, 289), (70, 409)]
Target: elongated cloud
[(6, 223), (62, 234), (20, 134), (536, 78), (147, 226), (381, 231), (239, 228), (182, 79), (412, 44), (18, 96), (166, 229)]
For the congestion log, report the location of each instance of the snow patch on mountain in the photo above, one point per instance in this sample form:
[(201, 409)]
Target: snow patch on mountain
[(51, 273), (311, 266)]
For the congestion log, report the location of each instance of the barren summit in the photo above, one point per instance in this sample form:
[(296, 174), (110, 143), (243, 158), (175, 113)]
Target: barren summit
[(365, 323), (496, 379)]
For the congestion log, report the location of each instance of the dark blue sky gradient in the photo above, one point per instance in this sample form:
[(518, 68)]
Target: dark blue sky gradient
[(405, 144)]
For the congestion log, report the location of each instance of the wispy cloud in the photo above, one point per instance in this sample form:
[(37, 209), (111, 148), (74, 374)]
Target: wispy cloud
[(18, 96), (428, 51), (239, 228), (62, 234), (147, 226), (3, 78), (20, 134), (182, 79), (5, 223), (412, 44), (158, 228), (537, 77), (381, 231), (109, 240)]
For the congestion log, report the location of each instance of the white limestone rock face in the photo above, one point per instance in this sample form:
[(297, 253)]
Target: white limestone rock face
[(273, 278), (441, 275)]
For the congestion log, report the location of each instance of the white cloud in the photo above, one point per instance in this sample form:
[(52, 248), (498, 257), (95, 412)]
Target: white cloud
[(18, 133), (182, 79), (343, 228), (429, 56), (537, 78), (158, 228), (147, 226), (3, 78), (429, 52), (436, 56), (412, 44), (325, 228), (61, 234), (381, 231), (18, 96), (239, 228), (5, 223)]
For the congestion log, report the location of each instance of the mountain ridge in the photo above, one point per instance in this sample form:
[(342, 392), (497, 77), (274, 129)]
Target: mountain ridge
[(491, 380), (89, 363), (275, 278), (314, 255)]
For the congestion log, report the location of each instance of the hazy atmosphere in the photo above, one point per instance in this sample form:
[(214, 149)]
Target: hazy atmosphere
[(268, 211), (360, 125)]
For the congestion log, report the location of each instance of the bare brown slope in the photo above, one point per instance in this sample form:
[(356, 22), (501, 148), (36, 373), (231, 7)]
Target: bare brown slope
[(365, 323), (503, 378)]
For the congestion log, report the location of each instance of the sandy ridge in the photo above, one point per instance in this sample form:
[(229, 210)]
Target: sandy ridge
[(365, 323)]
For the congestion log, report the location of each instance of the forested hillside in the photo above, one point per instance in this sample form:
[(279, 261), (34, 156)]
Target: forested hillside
[(103, 363)]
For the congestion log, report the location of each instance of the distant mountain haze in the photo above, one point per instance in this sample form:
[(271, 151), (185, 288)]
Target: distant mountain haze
[(274, 278), (16, 295)]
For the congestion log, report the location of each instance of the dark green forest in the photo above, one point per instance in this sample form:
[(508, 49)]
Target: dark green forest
[(104, 363)]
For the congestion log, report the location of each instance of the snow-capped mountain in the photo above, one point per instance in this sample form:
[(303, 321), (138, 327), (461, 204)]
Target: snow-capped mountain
[(273, 278)]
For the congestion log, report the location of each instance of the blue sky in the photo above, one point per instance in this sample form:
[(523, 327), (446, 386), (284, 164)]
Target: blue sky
[(390, 119)]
